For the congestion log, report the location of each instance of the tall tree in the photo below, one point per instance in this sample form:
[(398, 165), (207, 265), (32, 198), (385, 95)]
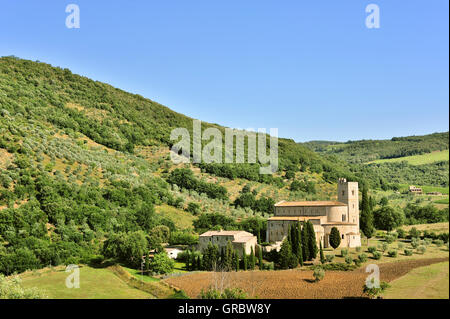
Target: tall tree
[(300, 245), (305, 246), (244, 259), (366, 220), (285, 254), (335, 238), (322, 257), (252, 259), (312, 244), (260, 259)]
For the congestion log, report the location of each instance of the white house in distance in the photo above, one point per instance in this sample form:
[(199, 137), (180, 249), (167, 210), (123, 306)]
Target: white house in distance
[(172, 252), (241, 240)]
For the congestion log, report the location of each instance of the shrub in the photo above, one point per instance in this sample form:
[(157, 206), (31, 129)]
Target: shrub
[(348, 260), (401, 246), (389, 238), (344, 252), (439, 242), (376, 255), (414, 243), (358, 249), (319, 274), (268, 266), (408, 252), (392, 253), (414, 233), (329, 258), (362, 257), (422, 249), (228, 293), (373, 292), (372, 249), (401, 233)]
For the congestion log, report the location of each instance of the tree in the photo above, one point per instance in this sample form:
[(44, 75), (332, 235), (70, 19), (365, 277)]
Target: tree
[(162, 264), (236, 260), (228, 262), (335, 238), (322, 257), (285, 254), (260, 259), (312, 244), (305, 246), (252, 259), (366, 220), (388, 218), (244, 259), (300, 244)]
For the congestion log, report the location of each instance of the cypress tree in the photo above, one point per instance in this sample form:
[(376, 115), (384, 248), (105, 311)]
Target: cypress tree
[(322, 257), (312, 244), (260, 258), (252, 259), (188, 259), (335, 238), (294, 240), (236, 260), (199, 263), (244, 259), (285, 254), (228, 264), (305, 247), (366, 220), (300, 249)]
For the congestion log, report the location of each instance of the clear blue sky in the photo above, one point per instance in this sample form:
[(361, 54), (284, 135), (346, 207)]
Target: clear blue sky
[(310, 68)]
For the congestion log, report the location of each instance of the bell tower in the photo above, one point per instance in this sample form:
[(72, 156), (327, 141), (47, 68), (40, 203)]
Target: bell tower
[(348, 194)]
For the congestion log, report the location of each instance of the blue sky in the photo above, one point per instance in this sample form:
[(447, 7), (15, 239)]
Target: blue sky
[(309, 68)]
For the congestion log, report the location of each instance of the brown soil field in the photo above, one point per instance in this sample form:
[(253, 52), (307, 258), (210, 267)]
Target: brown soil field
[(295, 284)]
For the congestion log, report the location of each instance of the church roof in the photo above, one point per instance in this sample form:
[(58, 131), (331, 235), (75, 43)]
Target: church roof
[(309, 203), (299, 218)]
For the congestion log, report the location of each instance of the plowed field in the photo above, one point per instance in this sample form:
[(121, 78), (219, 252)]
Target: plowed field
[(296, 284)]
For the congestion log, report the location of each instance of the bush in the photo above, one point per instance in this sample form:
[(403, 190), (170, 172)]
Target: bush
[(389, 238), (392, 253), (228, 293), (348, 260), (414, 243), (329, 258), (362, 257), (376, 255), (319, 274), (344, 252), (414, 233), (372, 249), (268, 266), (408, 252), (422, 249), (439, 242), (401, 233), (401, 246), (358, 249)]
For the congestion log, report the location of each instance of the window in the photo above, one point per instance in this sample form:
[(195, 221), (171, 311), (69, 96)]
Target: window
[(342, 236), (353, 192), (343, 193), (344, 217)]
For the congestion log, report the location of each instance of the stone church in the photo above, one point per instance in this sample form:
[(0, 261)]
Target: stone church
[(324, 215)]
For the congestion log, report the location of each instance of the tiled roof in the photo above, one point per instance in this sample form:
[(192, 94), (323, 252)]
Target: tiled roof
[(241, 233), (299, 218), (309, 204)]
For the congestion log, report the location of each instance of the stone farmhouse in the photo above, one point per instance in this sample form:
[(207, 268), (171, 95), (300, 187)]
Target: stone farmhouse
[(324, 215), (240, 240)]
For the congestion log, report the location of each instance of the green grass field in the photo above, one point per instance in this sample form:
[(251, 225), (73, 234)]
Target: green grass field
[(429, 282), (94, 284), (418, 159), (426, 189), (181, 218), (436, 227)]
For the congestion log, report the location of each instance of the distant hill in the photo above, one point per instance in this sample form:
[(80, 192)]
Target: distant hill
[(364, 151)]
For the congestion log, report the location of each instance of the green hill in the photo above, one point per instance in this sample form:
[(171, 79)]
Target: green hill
[(85, 174)]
